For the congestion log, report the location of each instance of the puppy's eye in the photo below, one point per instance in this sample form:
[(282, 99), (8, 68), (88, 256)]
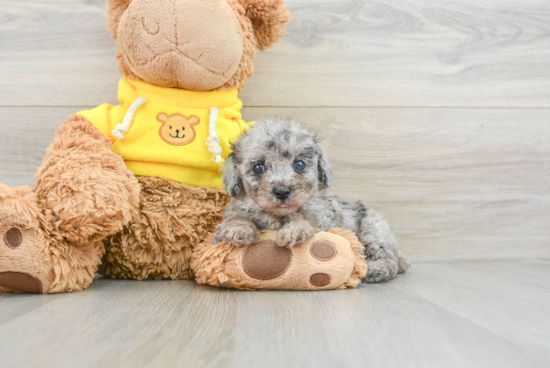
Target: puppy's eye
[(299, 165), (258, 169), (170, 127)]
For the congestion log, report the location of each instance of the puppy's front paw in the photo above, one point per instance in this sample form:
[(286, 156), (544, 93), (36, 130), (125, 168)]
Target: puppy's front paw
[(294, 234), (237, 233)]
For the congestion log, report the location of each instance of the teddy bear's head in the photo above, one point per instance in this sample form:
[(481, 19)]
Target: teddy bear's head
[(199, 45)]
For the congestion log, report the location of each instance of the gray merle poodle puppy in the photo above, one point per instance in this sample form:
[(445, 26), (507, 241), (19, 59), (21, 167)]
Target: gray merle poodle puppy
[(278, 175)]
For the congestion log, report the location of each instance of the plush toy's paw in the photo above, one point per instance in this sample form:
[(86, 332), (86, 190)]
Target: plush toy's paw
[(24, 267), (329, 260), (294, 234), (237, 233)]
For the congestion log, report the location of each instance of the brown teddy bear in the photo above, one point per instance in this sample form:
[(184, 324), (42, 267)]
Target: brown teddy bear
[(130, 190)]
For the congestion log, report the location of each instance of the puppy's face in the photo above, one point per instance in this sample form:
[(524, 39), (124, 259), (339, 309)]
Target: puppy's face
[(279, 164)]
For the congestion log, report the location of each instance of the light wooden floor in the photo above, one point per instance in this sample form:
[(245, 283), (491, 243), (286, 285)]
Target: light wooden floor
[(484, 314)]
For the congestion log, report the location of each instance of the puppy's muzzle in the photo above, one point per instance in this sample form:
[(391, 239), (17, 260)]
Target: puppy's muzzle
[(282, 192)]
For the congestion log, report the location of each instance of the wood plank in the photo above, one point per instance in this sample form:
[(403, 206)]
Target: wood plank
[(335, 53), (459, 315), (519, 283), (16, 305), (456, 184), (56, 53)]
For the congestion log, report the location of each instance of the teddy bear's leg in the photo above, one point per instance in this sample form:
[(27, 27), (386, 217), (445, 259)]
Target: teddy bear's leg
[(159, 240), (328, 260), (51, 238)]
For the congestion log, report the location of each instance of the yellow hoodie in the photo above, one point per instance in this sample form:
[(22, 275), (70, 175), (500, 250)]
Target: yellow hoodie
[(171, 133)]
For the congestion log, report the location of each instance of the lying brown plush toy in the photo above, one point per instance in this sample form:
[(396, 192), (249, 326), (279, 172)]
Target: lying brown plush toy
[(130, 190), (330, 260)]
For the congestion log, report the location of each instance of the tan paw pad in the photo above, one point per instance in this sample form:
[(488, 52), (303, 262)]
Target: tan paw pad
[(324, 262), (21, 282), (266, 260), (13, 238), (23, 265), (319, 279), (323, 250)]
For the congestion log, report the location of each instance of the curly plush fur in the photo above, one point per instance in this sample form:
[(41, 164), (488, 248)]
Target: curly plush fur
[(159, 240), (94, 201), (264, 163)]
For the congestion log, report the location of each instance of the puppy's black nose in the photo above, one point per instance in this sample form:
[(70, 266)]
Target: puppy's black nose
[(282, 192)]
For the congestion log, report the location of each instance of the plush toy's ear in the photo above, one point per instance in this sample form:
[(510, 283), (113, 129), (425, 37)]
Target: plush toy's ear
[(325, 173), (268, 19), (162, 117), (115, 9), (193, 120), (231, 179)]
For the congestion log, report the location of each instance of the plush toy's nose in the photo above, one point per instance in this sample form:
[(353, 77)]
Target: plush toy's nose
[(282, 192)]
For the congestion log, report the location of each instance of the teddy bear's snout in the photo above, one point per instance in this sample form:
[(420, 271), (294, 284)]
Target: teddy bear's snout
[(169, 45)]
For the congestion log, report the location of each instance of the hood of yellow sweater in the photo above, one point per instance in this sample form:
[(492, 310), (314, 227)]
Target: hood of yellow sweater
[(129, 90), (171, 133)]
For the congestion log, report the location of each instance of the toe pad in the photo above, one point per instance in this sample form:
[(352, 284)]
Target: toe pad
[(19, 281), (266, 260), (13, 238)]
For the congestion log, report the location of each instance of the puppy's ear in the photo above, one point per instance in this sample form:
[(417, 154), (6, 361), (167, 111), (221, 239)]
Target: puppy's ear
[(115, 9), (231, 179), (268, 19), (325, 173)]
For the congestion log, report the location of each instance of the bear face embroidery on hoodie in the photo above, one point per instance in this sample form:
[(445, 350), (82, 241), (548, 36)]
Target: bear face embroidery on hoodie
[(177, 129)]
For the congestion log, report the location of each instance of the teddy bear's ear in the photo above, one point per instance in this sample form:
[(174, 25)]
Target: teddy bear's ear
[(193, 120), (115, 9), (268, 19), (162, 117)]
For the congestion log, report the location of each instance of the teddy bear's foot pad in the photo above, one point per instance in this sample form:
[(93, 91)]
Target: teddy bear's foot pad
[(267, 261), (24, 266), (330, 260), (253, 260), (21, 282)]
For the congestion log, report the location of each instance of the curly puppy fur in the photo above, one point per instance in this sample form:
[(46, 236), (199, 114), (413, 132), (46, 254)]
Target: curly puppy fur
[(278, 176)]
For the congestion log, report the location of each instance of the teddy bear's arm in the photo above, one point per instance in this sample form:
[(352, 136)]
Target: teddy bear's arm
[(53, 234), (85, 186)]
